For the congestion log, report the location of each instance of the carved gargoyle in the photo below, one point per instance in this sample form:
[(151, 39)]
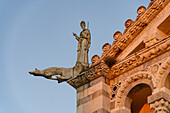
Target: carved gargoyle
[(65, 73), (84, 41), (50, 72)]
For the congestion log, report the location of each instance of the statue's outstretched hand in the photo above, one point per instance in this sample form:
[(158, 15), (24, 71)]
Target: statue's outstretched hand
[(74, 34)]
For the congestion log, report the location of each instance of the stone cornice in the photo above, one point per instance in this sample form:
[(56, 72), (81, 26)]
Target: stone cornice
[(140, 57), (92, 73), (137, 27), (121, 67)]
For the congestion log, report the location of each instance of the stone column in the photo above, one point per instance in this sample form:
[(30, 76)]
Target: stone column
[(160, 102), (94, 97)]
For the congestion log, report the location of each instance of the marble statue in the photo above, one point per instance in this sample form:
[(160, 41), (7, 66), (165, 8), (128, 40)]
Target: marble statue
[(63, 74), (84, 42)]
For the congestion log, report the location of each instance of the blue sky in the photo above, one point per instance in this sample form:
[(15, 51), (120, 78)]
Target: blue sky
[(38, 34)]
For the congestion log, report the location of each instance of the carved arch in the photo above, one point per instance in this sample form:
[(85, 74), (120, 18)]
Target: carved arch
[(130, 83), (163, 73)]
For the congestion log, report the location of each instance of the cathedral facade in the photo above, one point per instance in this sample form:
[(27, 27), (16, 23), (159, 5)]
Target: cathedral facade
[(133, 74)]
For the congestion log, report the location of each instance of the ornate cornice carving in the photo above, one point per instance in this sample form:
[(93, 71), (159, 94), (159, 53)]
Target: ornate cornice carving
[(96, 71), (127, 64), (140, 57), (137, 27)]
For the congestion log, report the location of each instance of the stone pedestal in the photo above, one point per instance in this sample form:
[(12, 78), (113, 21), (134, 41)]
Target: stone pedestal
[(160, 102), (94, 97)]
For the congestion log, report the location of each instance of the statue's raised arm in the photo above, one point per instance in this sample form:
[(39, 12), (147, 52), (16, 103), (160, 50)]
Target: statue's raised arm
[(74, 34)]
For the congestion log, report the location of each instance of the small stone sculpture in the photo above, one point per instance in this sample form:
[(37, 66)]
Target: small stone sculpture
[(128, 23), (94, 59), (117, 35), (105, 48), (140, 11), (82, 64)]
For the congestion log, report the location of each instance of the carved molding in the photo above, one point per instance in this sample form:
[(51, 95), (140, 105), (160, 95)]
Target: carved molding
[(165, 66), (151, 73), (140, 57), (154, 70)]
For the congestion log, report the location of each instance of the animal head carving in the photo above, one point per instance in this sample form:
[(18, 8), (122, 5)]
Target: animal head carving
[(36, 72)]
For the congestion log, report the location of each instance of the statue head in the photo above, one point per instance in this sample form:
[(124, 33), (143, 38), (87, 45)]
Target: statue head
[(141, 10), (128, 23), (83, 24), (117, 35)]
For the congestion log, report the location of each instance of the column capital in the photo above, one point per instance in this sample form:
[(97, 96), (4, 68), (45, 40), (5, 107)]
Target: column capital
[(160, 106), (160, 102)]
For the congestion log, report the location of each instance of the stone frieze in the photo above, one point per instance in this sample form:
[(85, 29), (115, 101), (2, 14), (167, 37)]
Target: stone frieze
[(127, 64), (140, 57)]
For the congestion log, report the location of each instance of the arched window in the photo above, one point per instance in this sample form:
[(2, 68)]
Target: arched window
[(138, 95)]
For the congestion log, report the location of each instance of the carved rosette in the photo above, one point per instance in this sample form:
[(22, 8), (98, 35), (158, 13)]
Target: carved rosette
[(153, 69), (161, 106)]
